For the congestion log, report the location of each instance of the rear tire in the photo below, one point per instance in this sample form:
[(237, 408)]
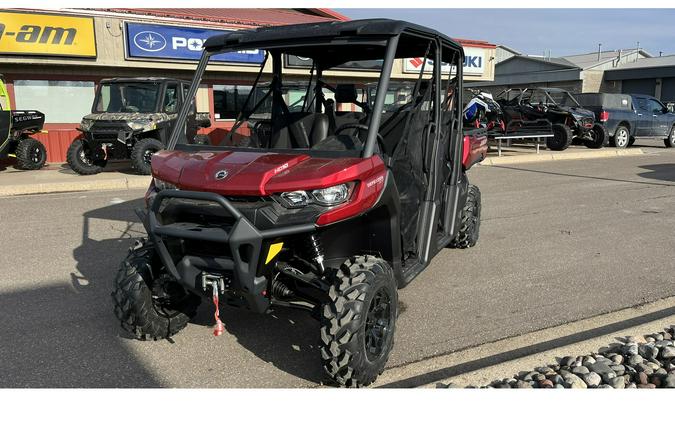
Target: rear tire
[(141, 314), (562, 137), (359, 321), (80, 160), (469, 228), (622, 138), (142, 152), (31, 154), (669, 142), (599, 136)]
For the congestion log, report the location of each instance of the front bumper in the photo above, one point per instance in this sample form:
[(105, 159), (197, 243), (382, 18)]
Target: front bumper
[(240, 247)]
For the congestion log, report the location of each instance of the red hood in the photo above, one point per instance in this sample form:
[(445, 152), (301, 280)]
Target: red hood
[(259, 173)]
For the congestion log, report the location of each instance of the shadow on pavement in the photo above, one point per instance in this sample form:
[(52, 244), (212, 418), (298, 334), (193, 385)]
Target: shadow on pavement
[(665, 172), (609, 179), (286, 338), (521, 352)]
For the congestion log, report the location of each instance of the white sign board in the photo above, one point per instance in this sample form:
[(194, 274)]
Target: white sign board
[(474, 63)]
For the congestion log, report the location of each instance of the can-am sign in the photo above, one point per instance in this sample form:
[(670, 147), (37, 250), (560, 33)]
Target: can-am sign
[(46, 35), (179, 43), (474, 63)]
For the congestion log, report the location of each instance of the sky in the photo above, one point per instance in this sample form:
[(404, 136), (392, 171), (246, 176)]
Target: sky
[(535, 31)]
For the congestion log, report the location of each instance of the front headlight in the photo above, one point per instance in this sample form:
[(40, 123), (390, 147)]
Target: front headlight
[(141, 125), (331, 196), (162, 185), (86, 124), (327, 197)]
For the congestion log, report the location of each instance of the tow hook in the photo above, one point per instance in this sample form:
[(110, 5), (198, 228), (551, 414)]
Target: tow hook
[(217, 284)]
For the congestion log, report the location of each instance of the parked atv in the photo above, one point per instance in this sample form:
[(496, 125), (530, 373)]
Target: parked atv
[(292, 213), (569, 120), (16, 128), (131, 118)]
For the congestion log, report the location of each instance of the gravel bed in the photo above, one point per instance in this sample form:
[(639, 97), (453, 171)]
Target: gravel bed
[(637, 362)]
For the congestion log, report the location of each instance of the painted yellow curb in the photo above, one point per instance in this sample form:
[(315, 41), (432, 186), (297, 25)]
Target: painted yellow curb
[(560, 156), (76, 186)]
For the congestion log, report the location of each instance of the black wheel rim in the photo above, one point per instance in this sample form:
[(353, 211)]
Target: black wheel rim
[(36, 155), (168, 297), (83, 157), (147, 155), (378, 324)]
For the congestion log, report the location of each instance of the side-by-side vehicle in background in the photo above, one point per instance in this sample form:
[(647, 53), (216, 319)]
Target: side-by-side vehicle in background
[(131, 118), (16, 128), (311, 207), (569, 120)]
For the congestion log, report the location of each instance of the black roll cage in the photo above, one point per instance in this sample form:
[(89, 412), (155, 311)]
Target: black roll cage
[(389, 42)]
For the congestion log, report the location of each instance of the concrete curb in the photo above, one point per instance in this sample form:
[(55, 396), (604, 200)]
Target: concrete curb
[(485, 363), (121, 183), (558, 156)]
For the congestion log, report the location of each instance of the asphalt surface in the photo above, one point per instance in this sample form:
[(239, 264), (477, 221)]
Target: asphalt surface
[(560, 241)]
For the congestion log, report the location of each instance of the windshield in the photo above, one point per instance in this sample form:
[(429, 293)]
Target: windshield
[(127, 97), (540, 96)]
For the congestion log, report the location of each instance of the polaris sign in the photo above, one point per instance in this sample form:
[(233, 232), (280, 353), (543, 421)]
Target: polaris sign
[(474, 63), (179, 43)]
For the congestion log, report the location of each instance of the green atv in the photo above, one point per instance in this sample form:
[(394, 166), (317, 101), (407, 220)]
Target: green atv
[(16, 127)]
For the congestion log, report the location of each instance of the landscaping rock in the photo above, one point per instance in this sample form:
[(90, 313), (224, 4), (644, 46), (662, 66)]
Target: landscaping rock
[(592, 379)]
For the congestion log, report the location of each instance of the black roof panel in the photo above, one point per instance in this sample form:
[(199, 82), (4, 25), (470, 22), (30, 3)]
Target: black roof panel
[(311, 31)]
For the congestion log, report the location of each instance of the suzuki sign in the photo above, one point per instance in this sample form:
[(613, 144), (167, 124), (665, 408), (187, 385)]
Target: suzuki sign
[(179, 43), (474, 63)]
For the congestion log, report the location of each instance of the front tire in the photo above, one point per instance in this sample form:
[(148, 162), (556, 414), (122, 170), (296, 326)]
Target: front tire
[(469, 228), (142, 152), (622, 138), (80, 159), (562, 137), (669, 142), (359, 321), (31, 154), (148, 307), (599, 136)]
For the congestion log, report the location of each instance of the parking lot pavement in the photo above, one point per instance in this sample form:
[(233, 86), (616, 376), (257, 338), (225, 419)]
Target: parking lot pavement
[(560, 241)]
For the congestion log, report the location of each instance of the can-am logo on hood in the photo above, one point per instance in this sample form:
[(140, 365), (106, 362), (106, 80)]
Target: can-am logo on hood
[(150, 41), (220, 175)]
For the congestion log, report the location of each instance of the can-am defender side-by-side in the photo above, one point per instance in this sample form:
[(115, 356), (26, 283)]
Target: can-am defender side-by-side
[(16, 128), (131, 118), (330, 209), (568, 119)]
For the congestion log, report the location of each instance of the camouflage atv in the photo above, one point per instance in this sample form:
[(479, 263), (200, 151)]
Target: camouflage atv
[(131, 118)]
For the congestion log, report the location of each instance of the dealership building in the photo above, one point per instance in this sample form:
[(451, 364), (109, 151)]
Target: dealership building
[(53, 61), (625, 71)]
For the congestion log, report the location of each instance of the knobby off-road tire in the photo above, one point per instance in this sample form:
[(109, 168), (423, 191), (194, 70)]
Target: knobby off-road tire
[(31, 154), (599, 135), (142, 152), (138, 311), (621, 138), (359, 322), (669, 142), (469, 228), (562, 138), (80, 160)]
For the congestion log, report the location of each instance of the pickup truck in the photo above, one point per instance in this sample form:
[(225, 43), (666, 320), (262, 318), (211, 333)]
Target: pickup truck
[(631, 116)]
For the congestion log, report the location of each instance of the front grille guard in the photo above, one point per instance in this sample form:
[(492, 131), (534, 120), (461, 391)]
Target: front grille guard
[(243, 238)]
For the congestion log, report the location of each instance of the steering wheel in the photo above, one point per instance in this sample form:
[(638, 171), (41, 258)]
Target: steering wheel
[(380, 139)]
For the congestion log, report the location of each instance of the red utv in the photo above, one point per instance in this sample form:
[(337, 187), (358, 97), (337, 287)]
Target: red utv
[(316, 208)]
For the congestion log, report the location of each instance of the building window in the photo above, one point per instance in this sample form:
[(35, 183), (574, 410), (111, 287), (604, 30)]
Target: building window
[(228, 100), (50, 97)]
